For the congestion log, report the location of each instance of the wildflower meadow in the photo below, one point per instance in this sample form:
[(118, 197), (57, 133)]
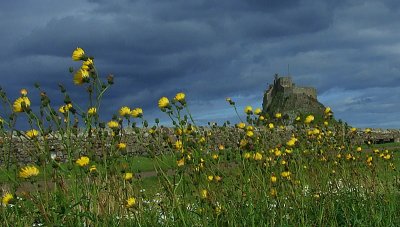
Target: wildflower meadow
[(131, 171)]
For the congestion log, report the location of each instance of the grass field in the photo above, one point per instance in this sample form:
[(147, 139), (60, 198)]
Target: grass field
[(265, 171)]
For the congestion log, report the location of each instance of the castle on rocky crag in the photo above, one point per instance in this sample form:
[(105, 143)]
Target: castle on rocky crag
[(284, 96)]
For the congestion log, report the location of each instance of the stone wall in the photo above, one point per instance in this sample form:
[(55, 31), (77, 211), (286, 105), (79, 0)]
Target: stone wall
[(309, 91)]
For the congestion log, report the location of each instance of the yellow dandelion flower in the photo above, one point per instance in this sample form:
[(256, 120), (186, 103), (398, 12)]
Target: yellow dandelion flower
[(28, 171), (250, 133), (285, 174), (137, 112), (65, 108), (21, 104), (359, 149), (210, 178), (247, 155), (215, 156), (278, 153), (241, 125), (387, 157), (7, 198), (257, 111), (309, 119), (257, 156), (83, 161), (92, 111), (33, 133), (291, 142), (92, 169), (248, 110), (221, 147), (124, 111), (23, 92), (178, 145), (273, 179), (180, 162), (273, 192), (78, 54), (327, 110), (113, 124), (87, 65), (180, 97), (128, 176), (130, 202), (353, 129), (278, 115), (218, 178), (261, 118), (121, 146), (204, 194), (243, 143), (81, 76), (163, 102), (271, 125), (326, 123)]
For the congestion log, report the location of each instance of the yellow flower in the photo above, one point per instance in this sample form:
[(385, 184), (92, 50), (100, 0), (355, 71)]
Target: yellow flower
[(65, 108), (81, 76), (247, 155), (83, 161), (92, 169), (28, 171), (121, 146), (248, 110), (286, 174), (271, 126), (261, 118), (137, 112), (124, 111), (327, 110), (273, 192), (23, 92), (278, 153), (78, 54), (278, 115), (257, 111), (1, 121), (291, 142), (33, 133), (359, 149), (326, 123), (257, 156), (92, 111), (130, 202), (21, 104), (128, 176), (241, 125), (273, 179), (387, 157), (180, 162), (210, 178), (180, 97), (249, 133), (298, 118), (353, 129), (113, 124), (86, 65), (7, 198), (215, 156), (218, 178), (309, 119), (203, 194), (178, 145), (367, 130), (221, 147), (163, 102)]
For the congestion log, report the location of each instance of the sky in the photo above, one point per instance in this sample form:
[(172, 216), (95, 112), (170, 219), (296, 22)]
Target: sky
[(349, 50)]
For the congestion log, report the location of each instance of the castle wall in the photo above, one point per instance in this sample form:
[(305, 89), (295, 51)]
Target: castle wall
[(312, 92)]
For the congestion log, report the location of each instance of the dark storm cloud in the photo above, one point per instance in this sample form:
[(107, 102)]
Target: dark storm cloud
[(209, 50)]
